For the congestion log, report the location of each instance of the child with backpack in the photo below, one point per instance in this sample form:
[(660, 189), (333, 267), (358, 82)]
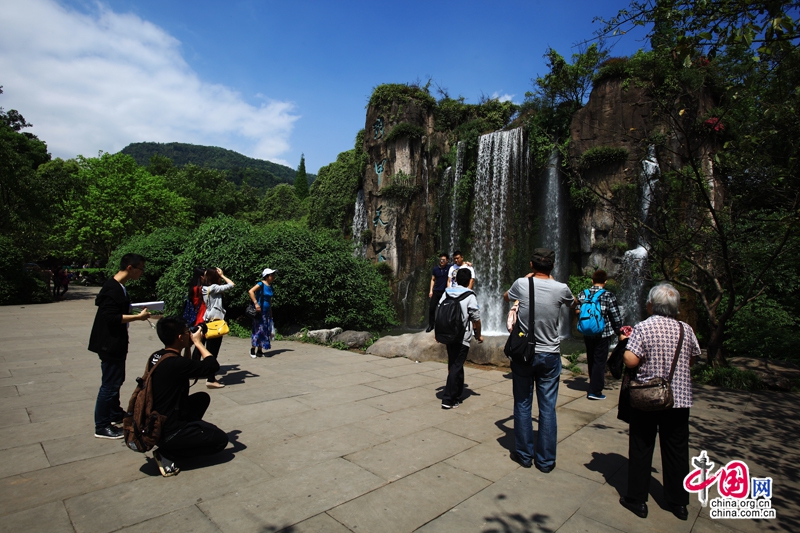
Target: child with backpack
[(457, 321), (598, 320)]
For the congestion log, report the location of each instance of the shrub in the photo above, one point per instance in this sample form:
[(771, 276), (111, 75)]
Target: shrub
[(601, 156), (383, 96), (405, 129), (319, 281), (763, 328), (727, 376), (402, 187), (159, 248)]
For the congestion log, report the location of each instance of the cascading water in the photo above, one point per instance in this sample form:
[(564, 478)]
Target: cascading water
[(555, 232), (359, 225), (454, 226), (634, 262), (501, 174)]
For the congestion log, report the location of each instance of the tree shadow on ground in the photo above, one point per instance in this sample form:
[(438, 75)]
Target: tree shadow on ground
[(516, 522)]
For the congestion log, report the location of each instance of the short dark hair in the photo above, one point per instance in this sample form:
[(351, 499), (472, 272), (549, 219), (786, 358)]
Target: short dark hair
[(443, 254), (134, 260), (463, 275), (458, 252), (599, 276), (169, 328)]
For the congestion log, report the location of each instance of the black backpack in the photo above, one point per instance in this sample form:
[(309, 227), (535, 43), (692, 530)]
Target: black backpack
[(450, 325), (142, 425)]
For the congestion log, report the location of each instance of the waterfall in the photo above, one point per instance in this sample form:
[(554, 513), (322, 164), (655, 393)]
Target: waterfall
[(454, 226), (359, 225), (555, 232), (634, 262), (501, 174)]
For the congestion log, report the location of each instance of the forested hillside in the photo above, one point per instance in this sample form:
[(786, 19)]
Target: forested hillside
[(240, 168)]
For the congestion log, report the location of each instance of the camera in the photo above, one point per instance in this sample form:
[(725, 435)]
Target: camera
[(202, 326)]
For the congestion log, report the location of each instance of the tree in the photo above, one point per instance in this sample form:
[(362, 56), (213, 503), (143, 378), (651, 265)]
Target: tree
[(301, 180), (333, 193), (279, 203), (118, 199), (724, 218)]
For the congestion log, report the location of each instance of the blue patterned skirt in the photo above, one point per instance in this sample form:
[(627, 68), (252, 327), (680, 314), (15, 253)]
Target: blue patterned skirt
[(262, 331)]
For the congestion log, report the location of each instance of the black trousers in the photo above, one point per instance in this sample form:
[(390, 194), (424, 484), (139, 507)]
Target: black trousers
[(432, 306), (672, 426), (197, 438), (454, 387), (596, 357), (213, 346)]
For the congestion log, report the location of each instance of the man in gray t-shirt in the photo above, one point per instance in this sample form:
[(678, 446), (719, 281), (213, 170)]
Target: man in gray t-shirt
[(545, 370)]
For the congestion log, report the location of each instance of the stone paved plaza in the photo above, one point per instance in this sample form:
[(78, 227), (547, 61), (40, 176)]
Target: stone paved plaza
[(324, 440)]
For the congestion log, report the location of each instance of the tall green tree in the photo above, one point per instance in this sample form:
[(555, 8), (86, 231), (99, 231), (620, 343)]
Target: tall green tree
[(301, 180), (118, 199), (725, 217)]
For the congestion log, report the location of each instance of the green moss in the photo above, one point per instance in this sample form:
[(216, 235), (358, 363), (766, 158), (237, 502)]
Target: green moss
[(383, 96), (600, 156), (405, 129), (401, 187)]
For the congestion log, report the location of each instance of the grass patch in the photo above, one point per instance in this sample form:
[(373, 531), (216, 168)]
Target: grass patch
[(727, 376)]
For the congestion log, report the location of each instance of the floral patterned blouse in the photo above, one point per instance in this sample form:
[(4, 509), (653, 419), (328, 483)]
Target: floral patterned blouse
[(654, 341)]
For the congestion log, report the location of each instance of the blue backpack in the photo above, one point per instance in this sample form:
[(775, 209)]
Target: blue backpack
[(591, 322)]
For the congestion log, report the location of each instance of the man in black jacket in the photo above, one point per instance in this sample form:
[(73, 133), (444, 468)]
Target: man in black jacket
[(184, 434), (109, 340)]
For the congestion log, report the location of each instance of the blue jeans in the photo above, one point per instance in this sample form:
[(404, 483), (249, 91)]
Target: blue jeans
[(545, 372), (107, 408)]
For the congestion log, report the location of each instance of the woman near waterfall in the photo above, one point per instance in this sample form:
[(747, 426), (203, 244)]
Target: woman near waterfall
[(263, 328), (652, 347)]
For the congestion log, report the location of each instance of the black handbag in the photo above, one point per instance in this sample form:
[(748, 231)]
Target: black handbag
[(616, 361), (521, 346), (656, 394), (251, 310)]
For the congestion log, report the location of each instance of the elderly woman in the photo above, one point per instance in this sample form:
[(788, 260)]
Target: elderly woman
[(651, 347)]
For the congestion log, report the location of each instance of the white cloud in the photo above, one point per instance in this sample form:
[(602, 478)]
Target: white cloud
[(503, 98), (101, 81)]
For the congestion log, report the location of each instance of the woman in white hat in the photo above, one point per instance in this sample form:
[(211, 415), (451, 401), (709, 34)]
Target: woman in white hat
[(263, 328)]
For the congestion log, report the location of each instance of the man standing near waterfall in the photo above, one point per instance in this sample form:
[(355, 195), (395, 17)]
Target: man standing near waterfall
[(545, 369), (597, 345), (458, 263)]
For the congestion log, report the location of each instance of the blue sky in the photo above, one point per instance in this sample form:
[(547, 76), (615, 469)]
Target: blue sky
[(268, 79)]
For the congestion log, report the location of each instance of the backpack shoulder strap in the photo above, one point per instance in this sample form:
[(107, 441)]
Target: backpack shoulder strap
[(597, 295)]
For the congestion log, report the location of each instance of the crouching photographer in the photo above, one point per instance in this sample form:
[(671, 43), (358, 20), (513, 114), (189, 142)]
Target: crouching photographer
[(184, 434)]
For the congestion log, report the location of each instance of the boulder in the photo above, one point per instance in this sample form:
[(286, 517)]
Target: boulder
[(489, 352), (353, 339), (324, 335), (391, 346), (423, 347)]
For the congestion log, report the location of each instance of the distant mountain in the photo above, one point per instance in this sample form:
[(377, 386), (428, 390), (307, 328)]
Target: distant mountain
[(257, 172)]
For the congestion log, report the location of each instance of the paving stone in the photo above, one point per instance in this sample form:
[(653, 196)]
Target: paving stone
[(269, 393), (55, 397), (345, 380), (322, 523), (321, 419), (79, 447), (353, 393), (151, 495), (13, 417), (33, 489), (22, 459), (42, 413), (518, 503), (48, 518), (41, 431), (480, 426), (399, 370), (487, 460), (406, 421), (186, 519), (9, 391), (579, 523), (287, 455), (407, 504), (282, 502), (233, 417), (403, 399), (400, 457), (410, 381)]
